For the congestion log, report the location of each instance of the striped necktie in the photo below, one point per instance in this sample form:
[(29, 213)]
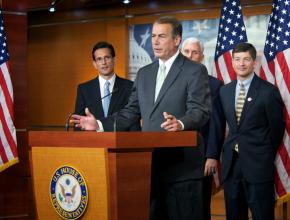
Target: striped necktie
[(160, 79), (240, 102), (107, 98)]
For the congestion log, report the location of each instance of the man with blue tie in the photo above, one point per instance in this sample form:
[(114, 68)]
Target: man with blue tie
[(107, 93), (254, 113), (213, 132)]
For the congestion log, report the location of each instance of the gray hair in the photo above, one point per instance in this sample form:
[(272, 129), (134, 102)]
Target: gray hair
[(192, 40)]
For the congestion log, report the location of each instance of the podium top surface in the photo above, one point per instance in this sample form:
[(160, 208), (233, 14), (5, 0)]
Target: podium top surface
[(113, 140)]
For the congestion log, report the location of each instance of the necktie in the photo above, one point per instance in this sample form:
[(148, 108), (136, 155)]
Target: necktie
[(107, 98), (240, 102), (160, 79)]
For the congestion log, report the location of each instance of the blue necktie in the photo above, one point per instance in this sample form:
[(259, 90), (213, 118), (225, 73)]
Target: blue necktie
[(107, 98)]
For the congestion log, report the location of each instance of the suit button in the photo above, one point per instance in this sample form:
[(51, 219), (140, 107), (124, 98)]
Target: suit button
[(236, 148)]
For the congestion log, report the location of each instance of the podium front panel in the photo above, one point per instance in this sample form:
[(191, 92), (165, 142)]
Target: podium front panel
[(90, 162)]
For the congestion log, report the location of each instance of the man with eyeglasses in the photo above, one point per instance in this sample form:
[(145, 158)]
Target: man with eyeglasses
[(107, 93)]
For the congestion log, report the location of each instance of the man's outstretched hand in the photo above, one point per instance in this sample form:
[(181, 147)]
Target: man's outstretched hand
[(87, 122)]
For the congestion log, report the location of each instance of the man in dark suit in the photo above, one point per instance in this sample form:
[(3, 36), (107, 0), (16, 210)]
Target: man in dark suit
[(171, 94), (213, 131), (254, 112), (92, 94)]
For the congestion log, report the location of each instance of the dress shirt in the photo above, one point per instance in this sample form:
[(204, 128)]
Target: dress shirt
[(246, 84)]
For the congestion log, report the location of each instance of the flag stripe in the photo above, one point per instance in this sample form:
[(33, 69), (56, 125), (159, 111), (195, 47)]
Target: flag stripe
[(279, 187), (4, 141), (224, 74), (228, 62), (281, 84), (281, 60), (218, 72), (2, 151), (9, 133), (265, 69), (284, 156), (5, 89)]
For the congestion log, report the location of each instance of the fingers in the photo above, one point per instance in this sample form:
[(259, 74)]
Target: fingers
[(209, 171), (88, 113), (171, 123), (210, 167), (75, 119), (168, 116)]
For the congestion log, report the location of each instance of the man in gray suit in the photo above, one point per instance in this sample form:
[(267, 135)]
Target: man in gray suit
[(171, 94)]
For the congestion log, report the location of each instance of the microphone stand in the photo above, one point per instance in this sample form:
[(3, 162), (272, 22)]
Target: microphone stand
[(66, 127)]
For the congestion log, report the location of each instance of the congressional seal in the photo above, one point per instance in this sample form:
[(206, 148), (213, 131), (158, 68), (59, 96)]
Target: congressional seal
[(68, 192)]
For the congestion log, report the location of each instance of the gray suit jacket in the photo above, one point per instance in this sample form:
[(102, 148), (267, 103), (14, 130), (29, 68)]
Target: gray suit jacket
[(184, 94)]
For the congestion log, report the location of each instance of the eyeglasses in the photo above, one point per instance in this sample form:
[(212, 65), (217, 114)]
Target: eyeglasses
[(103, 59)]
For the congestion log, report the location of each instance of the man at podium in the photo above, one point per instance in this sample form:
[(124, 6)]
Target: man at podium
[(170, 94)]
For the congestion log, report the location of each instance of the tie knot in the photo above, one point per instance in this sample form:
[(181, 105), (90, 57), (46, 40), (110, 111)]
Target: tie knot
[(162, 68), (107, 84), (242, 85)]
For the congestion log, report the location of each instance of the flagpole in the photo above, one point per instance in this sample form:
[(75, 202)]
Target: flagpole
[(284, 211)]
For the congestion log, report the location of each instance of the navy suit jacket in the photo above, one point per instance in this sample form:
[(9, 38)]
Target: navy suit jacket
[(259, 132), (89, 95), (213, 132)]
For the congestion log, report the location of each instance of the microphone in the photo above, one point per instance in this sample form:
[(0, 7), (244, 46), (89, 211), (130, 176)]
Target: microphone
[(115, 121), (111, 93), (66, 127)]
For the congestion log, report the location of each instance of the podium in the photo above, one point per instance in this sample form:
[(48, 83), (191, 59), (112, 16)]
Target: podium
[(115, 165)]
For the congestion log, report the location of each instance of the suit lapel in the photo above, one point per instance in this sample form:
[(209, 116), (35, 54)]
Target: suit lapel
[(232, 107), (251, 97), (115, 96), (151, 82), (170, 78), (98, 98)]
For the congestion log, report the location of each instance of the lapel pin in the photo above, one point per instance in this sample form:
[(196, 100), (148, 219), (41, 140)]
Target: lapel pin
[(249, 99)]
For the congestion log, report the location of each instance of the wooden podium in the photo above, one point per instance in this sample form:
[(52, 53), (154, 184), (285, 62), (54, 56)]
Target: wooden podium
[(115, 166)]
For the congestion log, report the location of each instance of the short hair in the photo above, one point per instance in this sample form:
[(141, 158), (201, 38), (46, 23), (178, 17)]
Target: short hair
[(101, 45), (245, 47), (193, 40), (175, 24)]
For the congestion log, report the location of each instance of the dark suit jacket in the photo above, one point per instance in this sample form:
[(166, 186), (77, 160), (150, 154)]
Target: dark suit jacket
[(185, 94), (89, 95), (259, 132), (214, 130)]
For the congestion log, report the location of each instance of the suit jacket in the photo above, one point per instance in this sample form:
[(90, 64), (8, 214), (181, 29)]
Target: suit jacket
[(89, 95), (184, 94), (259, 132), (214, 130)]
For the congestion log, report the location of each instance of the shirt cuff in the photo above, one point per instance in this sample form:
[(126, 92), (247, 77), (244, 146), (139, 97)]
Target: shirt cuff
[(182, 125), (101, 127)]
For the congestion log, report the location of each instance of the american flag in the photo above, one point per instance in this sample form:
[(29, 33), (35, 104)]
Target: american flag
[(231, 32), (8, 145), (275, 68)]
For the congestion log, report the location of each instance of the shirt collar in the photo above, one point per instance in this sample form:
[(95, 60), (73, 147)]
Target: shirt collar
[(247, 81), (168, 63), (111, 80)]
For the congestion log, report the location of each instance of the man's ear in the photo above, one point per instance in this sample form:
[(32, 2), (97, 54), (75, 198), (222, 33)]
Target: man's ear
[(95, 64), (177, 40)]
